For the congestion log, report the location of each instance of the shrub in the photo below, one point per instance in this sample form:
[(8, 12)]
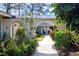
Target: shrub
[(32, 46), (20, 50), (20, 33), (52, 34), (24, 49), (54, 27), (2, 49), (63, 39), (33, 43), (58, 38), (76, 38), (67, 39), (38, 35), (10, 46), (18, 47)]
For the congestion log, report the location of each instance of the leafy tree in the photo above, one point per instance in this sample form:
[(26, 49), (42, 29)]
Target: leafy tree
[(8, 7), (35, 10), (67, 12), (26, 9)]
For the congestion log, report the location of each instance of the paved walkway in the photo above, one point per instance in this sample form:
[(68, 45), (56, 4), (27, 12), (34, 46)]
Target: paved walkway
[(46, 47)]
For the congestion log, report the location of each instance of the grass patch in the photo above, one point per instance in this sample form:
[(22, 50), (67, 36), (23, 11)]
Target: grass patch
[(40, 38)]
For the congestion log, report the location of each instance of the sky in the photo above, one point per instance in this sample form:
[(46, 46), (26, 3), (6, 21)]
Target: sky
[(47, 11)]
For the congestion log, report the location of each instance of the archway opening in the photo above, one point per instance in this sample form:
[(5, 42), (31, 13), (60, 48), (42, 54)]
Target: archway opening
[(15, 27), (43, 28)]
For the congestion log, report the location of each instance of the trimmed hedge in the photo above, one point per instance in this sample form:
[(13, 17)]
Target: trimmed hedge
[(63, 39)]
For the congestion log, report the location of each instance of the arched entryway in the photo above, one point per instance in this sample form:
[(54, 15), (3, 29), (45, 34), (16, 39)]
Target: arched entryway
[(43, 27), (14, 27)]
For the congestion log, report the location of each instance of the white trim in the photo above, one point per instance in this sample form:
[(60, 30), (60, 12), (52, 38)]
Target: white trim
[(11, 31), (5, 14)]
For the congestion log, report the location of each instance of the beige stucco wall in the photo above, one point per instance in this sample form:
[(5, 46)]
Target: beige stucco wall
[(7, 24), (53, 21), (39, 21)]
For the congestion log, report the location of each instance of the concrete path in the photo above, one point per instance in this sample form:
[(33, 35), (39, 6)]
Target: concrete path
[(46, 47)]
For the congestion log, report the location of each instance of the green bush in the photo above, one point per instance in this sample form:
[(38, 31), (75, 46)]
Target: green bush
[(10, 46), (20, 33), (63, 39), (31, 47), (21, 50), (21, 46), (24, 49), (2, 49), (76, 38), (52, 34)]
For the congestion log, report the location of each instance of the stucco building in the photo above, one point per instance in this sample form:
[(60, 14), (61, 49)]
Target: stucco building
[(10, 24)]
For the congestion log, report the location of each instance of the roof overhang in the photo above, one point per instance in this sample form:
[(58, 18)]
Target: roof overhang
[(46, 23), (4, 14), (40, 17)]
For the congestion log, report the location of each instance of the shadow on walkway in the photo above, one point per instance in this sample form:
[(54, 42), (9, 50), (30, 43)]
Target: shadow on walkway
[(45, 54), (53, 46)]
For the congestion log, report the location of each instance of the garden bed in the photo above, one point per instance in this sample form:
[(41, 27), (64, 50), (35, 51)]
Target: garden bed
[(66, 43), (73, 51), (68, 53), (21, 46), (14, 48)]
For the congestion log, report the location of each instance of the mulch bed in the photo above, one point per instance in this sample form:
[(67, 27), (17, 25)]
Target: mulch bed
[(73, 51)]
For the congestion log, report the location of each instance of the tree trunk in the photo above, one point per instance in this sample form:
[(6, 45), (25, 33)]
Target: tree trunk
[(8, 8)]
